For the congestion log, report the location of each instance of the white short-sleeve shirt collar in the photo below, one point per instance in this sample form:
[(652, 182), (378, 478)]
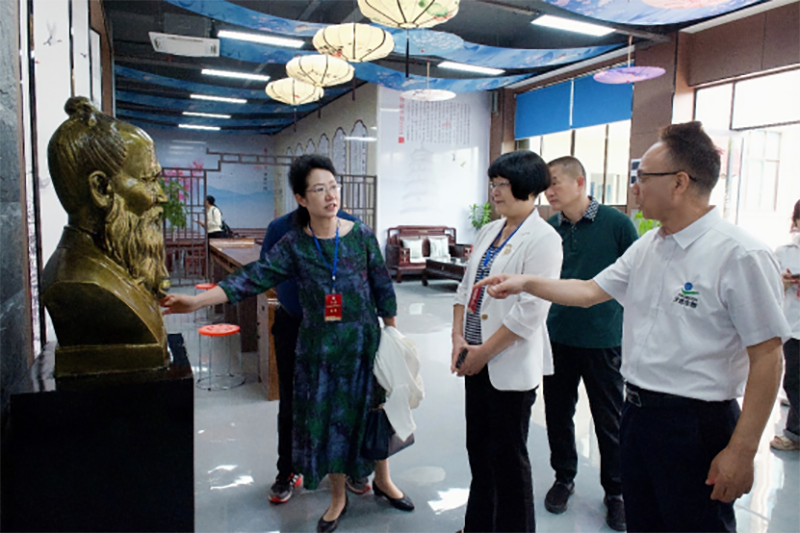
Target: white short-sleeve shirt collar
[(694, 301)]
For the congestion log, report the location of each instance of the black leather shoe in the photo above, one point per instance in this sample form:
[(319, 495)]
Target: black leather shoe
[(325, 526), (615, 518), (403, 503), (557, 497)]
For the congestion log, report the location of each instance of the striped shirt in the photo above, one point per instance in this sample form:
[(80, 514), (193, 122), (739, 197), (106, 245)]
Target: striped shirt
[(472, 330)]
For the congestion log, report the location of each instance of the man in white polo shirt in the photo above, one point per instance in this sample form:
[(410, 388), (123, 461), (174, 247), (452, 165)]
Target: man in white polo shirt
[(703, 325)]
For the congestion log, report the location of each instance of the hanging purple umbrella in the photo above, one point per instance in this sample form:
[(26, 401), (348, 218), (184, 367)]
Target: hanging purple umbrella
[(628, 74)]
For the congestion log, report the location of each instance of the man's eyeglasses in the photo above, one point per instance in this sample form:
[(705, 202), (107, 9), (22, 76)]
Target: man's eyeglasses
[(321, 189), (641, 177), (499, 184)]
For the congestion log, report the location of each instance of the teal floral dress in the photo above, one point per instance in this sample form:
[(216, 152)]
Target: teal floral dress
[(334, 387)]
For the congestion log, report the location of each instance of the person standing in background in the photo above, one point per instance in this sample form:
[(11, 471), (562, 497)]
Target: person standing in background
[(214, 217), (789, 258), (586, 342)]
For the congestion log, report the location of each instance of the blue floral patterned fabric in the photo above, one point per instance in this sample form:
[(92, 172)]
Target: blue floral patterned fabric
[(334, 387)]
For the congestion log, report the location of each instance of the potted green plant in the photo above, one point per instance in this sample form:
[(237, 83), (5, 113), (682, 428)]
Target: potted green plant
[(480, 215), (174, 209)]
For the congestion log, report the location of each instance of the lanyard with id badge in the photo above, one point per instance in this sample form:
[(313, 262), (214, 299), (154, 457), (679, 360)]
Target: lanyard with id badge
[(333, 300), (491, 253)]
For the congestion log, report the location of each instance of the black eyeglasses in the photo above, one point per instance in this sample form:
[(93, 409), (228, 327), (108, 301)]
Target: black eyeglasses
[(640, 175)]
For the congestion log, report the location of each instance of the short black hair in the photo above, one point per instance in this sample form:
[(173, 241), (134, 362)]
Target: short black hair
[(571, 165), (527, 172), (796, 212), (298, 174), (693, 151), (211, 200)]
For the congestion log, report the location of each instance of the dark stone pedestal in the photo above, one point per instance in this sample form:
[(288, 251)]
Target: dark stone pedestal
[(105, 453)]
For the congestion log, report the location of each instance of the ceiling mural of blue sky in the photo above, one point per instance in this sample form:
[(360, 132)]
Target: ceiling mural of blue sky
[(145, 125), (394, 79), (423, 42), (200, 121), (202, 88), (637, 12), (208, 107)]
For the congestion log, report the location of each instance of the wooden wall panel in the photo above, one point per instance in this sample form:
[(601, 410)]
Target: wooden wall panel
[(730, 50), (782, 37)]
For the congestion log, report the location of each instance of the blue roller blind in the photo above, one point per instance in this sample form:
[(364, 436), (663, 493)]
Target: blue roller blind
[(600, 103), (572, 104), (543, 111)]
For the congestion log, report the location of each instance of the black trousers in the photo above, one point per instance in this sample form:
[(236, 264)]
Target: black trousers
[(599, 369), (501, 492), (284, 332), (667, 446), (791, 384)]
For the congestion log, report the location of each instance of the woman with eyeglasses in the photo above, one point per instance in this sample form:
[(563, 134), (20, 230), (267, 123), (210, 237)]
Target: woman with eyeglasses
[(502, 348), (789, 259), (344, 287)]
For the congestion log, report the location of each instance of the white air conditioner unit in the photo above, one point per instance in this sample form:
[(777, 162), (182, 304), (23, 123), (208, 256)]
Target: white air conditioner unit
[(181, 45)]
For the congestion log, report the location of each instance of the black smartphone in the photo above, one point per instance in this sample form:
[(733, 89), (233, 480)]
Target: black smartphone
[(461, 357)]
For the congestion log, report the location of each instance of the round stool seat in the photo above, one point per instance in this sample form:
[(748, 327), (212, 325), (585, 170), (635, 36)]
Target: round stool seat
[(211, 378), (219, 330), (205, 286)]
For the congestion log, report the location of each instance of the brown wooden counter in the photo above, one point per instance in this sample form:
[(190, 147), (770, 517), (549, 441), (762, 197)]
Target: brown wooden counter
[(255, 315)]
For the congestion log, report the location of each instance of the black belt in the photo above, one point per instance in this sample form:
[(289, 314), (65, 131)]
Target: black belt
[(647, 398)]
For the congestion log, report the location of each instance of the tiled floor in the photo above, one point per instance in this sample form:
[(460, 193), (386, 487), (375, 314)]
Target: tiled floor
[(236, 448)]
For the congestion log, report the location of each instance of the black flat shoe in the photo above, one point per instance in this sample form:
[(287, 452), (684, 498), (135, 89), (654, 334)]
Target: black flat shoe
[(325, 526), (403, 503)]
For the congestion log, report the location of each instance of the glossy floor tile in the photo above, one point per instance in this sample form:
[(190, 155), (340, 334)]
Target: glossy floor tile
[(236, 450)]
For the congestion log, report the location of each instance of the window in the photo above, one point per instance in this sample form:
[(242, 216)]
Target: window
[(603, 150)]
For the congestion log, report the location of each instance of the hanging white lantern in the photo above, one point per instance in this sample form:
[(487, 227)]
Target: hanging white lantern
[(354, 42), (320, 70), (409, 14), (293, 92)]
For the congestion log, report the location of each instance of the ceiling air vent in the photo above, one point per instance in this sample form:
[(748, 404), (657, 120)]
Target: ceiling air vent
[(181, 45)]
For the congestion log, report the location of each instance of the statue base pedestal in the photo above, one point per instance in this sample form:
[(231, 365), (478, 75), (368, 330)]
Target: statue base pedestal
[(102, 453)]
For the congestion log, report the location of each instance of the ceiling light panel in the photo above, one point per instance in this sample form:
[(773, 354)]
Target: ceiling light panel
[(204, 115), (193, 127), (218, 99), (558, 23), (232, 74), (263, 39), (451, 65)]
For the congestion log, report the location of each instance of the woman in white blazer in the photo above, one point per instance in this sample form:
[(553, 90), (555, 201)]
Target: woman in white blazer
[(507, 346)]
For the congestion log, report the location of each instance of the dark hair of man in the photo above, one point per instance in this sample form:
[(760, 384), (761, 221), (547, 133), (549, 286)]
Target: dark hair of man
[(88, 141), (298, 176), (211, 200), (692, 151), (796, 213), (527, 172), (571, 165)]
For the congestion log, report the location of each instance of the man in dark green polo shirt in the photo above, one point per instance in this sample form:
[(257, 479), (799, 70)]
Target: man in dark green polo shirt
[(586, 342)]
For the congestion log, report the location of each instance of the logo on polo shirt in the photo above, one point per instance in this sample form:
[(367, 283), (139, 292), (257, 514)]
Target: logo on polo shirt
[(687, 296)]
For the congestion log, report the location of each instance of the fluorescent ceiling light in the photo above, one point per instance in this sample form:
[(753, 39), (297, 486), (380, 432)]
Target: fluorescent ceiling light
[(470, 68), (559, 23), (193, 127), (218, 99), (205, 115), (263, 39), (231, 74), (361, 139)]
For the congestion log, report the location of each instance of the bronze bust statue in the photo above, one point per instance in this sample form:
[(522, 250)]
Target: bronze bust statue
[(101, 285)]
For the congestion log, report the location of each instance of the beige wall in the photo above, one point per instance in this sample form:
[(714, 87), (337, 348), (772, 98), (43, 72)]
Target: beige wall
[(341, 113)]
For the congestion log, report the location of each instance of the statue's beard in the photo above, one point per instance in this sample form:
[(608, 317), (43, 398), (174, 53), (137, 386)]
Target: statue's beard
[(137, 244)]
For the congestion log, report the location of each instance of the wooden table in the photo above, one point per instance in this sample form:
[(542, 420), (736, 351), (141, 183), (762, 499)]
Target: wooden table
[(452, 269), (255, 315)]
